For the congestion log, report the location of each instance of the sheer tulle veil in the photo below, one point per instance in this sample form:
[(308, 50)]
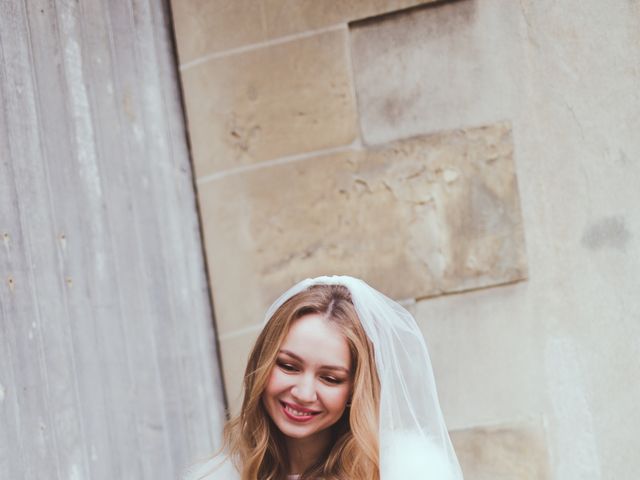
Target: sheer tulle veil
[(414, 442)]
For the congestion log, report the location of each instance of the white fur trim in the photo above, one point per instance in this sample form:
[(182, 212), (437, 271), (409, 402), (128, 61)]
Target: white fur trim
[(406, 455)]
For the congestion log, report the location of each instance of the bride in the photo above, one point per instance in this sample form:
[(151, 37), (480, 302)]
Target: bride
[(338, 386)]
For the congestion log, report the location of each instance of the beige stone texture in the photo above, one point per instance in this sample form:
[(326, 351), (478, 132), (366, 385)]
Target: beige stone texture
[(452, 74), (235, 350), (512, 451), (563, 345), (207, 26), (270, 102), (284, 17), (484, 376), (417, 218)]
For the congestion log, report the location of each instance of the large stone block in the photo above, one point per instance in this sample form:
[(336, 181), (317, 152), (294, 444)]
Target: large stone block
[(490, 326), (207, 26), (417, 218), (285, 17), (456, 64), (513, 451), (270, 102)]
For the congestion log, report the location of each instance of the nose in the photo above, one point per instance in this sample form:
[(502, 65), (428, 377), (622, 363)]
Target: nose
[(304, 390)]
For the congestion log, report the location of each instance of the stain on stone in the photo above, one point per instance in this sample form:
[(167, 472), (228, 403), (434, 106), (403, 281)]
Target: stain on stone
[(515, 450), (242, 134), (446, 14), (395, 109), (608, 232), (624, 158), (252, 93)]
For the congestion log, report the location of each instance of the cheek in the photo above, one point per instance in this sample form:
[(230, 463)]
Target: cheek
[(277, 382), (336, 397)]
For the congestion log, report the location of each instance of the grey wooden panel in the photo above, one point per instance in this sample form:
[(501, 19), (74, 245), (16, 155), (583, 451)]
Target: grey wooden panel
[(149, 447), (107, 355), (192, 282), (40, 354), (153, 22), (12, 265), (84, 230), (138, 231)]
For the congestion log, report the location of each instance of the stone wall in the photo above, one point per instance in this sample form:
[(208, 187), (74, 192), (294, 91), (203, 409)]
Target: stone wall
[(421, 147)]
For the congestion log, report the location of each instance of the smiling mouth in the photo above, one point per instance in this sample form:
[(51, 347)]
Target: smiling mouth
[(296, 414)]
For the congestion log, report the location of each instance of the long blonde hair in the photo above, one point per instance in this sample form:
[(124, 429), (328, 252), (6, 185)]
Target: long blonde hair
[(254, 442)]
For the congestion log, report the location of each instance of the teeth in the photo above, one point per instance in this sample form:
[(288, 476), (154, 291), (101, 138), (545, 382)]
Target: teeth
[(296, 412)]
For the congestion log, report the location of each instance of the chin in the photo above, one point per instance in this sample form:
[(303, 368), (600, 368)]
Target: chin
[(293, 433)]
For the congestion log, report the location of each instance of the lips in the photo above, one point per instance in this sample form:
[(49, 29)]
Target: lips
[(297, 413)]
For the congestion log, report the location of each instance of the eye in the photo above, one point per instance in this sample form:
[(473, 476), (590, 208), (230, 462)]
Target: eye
[(333, 380), (287, 367)]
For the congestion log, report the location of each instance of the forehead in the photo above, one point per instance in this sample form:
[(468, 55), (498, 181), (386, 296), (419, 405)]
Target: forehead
[(317, 341)]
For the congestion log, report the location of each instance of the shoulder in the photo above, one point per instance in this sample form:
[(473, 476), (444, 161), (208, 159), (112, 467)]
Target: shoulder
[(219, 467)]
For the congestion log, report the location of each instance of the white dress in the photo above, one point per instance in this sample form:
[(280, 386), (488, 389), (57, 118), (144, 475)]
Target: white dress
[(218, 468), (408, 456)]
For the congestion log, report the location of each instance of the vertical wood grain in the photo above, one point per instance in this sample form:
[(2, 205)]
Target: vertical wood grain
[(187, 281), (107, 360)]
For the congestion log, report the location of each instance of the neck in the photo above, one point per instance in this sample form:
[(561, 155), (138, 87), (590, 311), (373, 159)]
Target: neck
[(304, 452)]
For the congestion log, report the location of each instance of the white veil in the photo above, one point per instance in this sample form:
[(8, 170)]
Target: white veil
[(414, 442)]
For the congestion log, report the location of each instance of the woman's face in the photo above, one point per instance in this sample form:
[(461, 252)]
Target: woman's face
[(310, 384)]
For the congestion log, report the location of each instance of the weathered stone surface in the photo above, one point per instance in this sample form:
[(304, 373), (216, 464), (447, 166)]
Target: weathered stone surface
[(457, 69), (285, 17), (490, 327), (417, 218), (211, 26), (207, 26), (235, 351), (514, 451), (271, 102)]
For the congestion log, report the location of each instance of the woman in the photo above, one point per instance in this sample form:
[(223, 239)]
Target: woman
[(338, 386)]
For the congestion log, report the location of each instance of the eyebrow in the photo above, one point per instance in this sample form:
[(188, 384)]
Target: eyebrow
[(327, 367)]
